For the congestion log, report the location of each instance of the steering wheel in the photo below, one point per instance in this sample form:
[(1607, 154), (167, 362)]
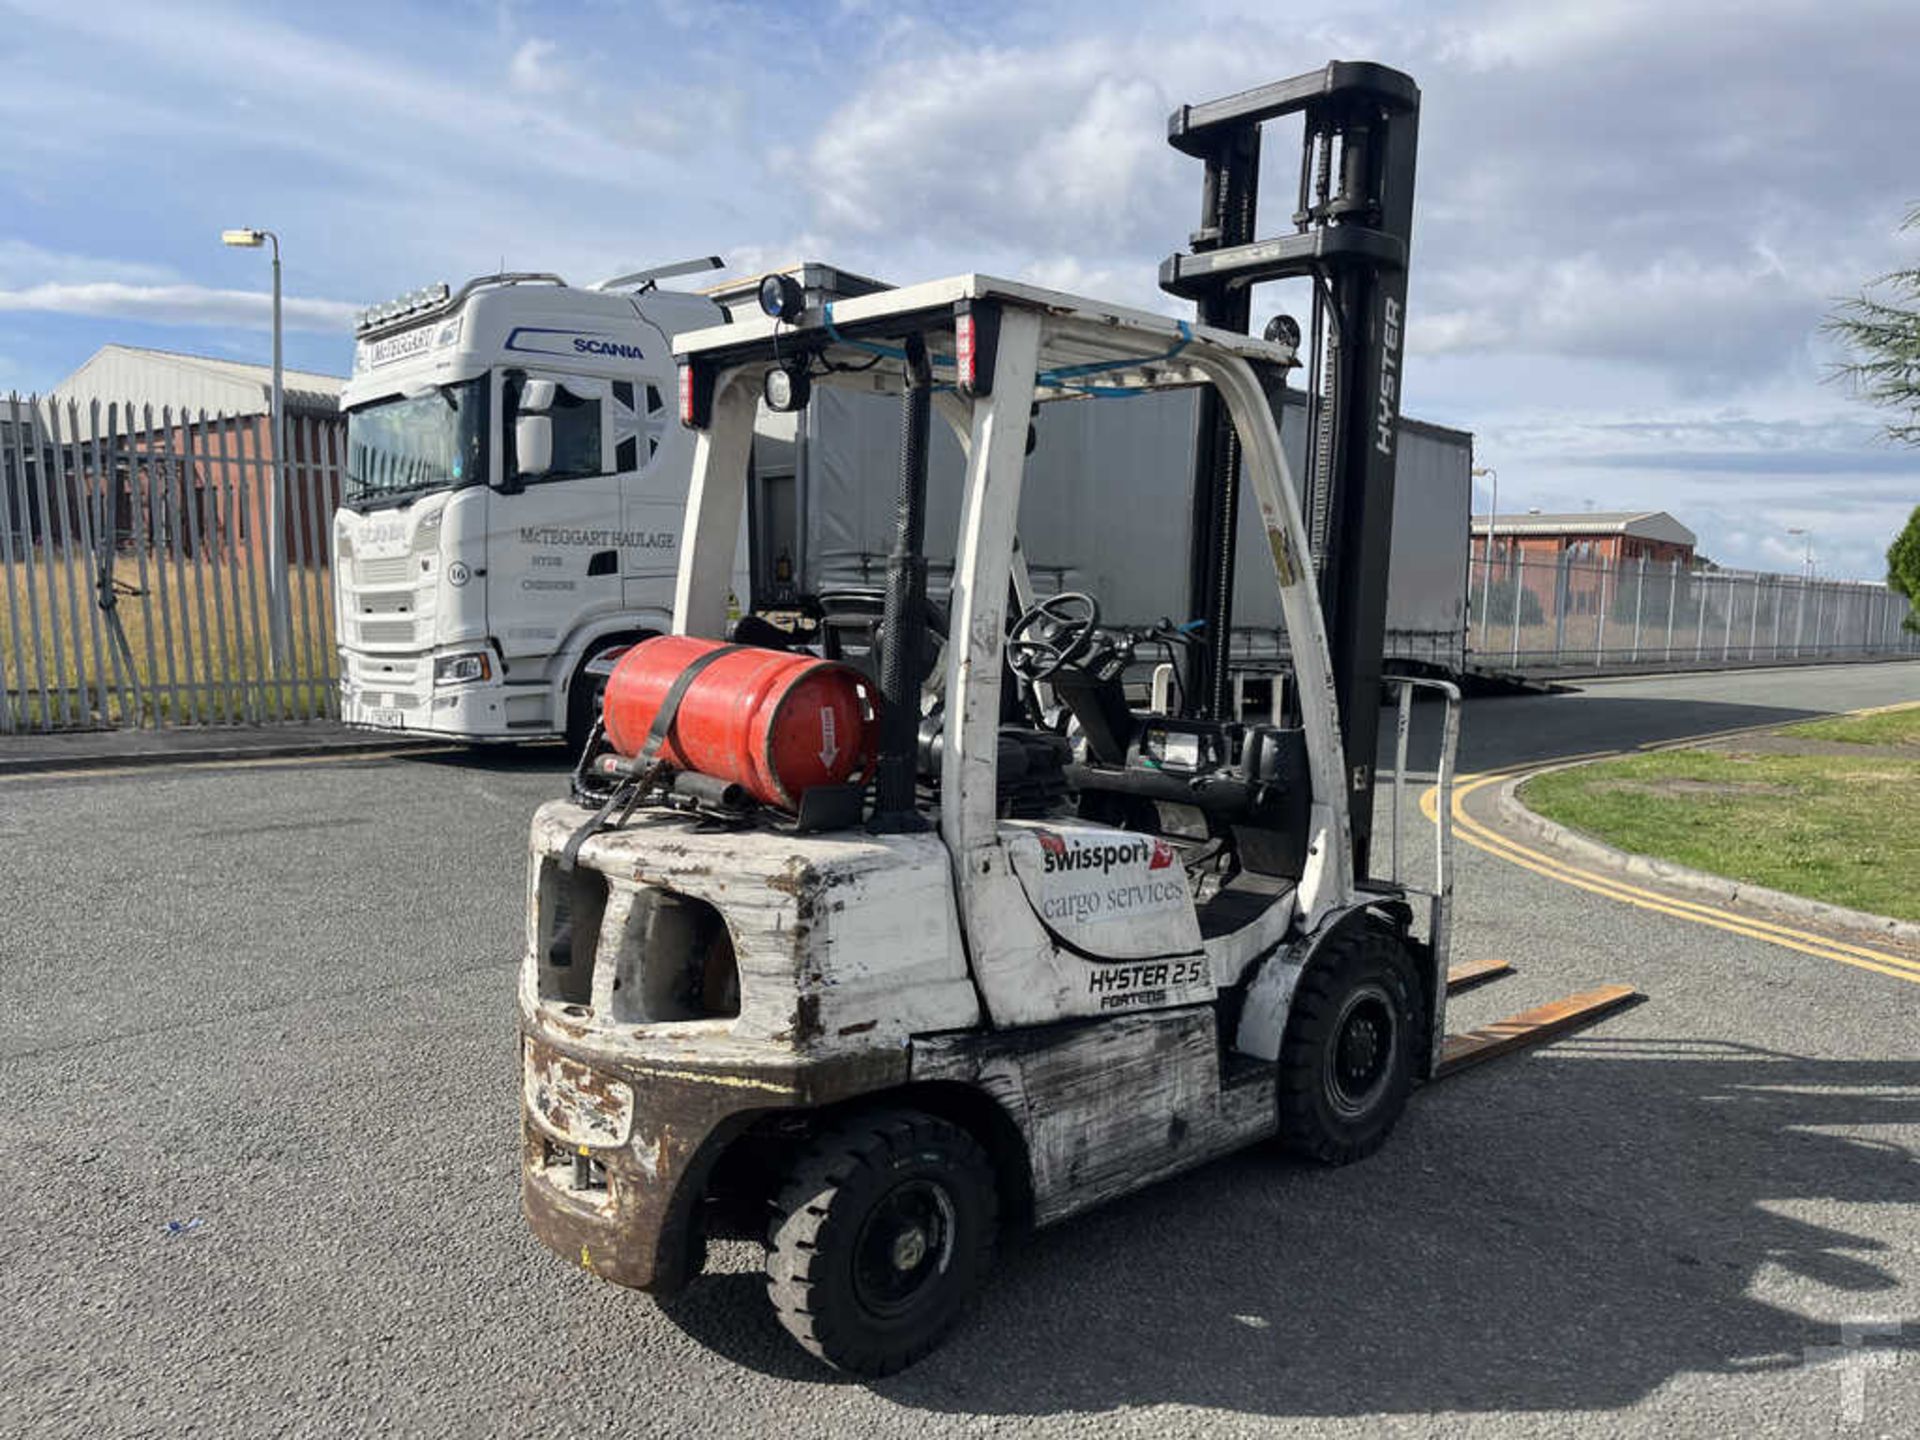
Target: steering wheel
[(1070, 618)]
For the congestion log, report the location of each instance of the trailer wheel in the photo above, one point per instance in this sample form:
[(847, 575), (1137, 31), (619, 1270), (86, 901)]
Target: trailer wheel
[(1346, 1063), (881, 1235)]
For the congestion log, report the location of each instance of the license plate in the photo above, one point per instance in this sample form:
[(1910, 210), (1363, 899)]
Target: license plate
[(389, 719), (576, 1102)]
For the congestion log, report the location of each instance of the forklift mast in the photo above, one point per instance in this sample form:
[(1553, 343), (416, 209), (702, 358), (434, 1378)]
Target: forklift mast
[(1352, 231)]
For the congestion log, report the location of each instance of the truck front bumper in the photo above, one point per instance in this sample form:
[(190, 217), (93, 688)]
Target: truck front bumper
[(397, 693), (618, 1140)]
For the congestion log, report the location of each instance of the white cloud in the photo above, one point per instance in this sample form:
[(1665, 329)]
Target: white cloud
[(22, 263), (1704, 317), (534, 68), (180, 305), (1528, 33), (1055, 146), (759, 256), (1630, 214), (403, 123)]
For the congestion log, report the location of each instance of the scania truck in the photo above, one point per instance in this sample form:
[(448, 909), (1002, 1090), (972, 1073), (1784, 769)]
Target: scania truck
[(516, 486), (516, 492)]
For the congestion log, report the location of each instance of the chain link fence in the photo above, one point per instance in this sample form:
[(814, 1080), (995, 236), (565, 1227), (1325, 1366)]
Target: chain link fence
[(136, 580), (1564, 614)]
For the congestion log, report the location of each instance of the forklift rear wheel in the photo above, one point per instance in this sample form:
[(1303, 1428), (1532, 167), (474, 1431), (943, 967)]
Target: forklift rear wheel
[(882, 1233), (1346, 1065)]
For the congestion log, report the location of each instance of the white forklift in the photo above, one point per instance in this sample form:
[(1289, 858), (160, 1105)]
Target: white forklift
[(873, 957)]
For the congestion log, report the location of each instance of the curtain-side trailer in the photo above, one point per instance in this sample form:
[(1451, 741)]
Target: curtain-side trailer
[(818, 530)]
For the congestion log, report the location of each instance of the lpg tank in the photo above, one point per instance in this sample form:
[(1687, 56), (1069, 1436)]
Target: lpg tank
[(774, 723)]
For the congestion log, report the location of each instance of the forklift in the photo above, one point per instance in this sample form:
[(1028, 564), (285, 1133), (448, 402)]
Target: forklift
[(878, 952)]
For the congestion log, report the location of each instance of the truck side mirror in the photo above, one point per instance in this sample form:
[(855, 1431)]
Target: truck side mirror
[(532, 446)]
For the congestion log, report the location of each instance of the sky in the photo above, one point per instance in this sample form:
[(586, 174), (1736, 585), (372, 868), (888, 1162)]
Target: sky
[(1630, 219)]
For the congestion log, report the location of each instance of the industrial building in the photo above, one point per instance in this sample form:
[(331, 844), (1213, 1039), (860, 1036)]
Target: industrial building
[(202, 414), (1613, 536), (130, 375), (1565, 561)]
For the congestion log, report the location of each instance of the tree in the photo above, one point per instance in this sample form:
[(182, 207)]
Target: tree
[(1903, 567), (1883, 333), (1500, 604)]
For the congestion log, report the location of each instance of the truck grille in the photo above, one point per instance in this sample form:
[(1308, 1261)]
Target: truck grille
[(385, 570), (386, 632), (387, 672)]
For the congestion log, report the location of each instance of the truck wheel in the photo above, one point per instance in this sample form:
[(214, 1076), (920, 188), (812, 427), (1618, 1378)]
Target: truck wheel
[(585, 688), (1346, 1063), (583, 705), (882, 1233)]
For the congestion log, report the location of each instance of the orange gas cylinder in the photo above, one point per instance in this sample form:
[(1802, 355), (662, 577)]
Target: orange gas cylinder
[(775, 723)]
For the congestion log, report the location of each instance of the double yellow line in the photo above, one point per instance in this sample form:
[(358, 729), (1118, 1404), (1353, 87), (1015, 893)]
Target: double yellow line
[(1612, 888)]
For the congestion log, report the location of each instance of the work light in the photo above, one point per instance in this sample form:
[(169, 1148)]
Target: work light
[(786, 388), (781, 298), (1283, 330)]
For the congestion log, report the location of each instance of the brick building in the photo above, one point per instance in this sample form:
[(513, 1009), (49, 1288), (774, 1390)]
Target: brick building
[(210, 418), (1564, 560)]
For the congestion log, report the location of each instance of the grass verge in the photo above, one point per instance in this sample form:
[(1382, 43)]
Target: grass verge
[(1829, 827), (1886, 727)]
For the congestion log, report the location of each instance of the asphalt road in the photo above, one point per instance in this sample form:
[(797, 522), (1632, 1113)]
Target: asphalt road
[(272, 1006)]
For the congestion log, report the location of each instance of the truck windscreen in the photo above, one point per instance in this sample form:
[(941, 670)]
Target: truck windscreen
[(411, 444)]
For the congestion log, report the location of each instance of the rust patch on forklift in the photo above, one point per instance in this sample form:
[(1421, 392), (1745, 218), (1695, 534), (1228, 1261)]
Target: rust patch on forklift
[(806, 1019), (795, 879), (635, 1232), (1283, 565)]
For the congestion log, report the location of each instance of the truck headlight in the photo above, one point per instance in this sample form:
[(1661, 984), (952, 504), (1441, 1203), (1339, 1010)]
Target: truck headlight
[(460, 669)]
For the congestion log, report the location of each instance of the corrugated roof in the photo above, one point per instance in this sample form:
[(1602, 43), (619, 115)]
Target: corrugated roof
[(131, 374)]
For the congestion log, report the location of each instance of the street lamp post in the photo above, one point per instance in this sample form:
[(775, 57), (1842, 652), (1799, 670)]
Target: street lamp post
[(1806, 581), (1493, 520), (279, 602), (1796, 530)]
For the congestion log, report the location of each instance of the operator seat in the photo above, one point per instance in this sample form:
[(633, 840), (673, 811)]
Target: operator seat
[(852, 629), (1248, 783)]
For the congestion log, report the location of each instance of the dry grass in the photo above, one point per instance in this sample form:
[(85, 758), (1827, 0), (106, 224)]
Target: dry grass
[(197, 637)]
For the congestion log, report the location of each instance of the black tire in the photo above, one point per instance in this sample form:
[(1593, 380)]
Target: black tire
[(1347, 1060), (882, 1233), (583, 708), (584, 690)]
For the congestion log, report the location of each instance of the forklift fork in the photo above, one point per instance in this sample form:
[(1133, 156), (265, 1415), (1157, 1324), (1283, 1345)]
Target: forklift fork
[(1449, 1054)]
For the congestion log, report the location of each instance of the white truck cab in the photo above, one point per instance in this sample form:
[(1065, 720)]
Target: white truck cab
[(515, 493)]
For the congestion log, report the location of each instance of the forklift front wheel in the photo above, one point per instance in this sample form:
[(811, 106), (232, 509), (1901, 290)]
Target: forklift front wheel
[(880, 1237), (1346, 1064)]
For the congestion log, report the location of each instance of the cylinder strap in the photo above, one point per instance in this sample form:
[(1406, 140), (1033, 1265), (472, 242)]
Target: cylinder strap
[(646, 766)]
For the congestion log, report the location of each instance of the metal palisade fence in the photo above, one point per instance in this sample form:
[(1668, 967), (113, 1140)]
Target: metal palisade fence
[(137, 590), (1536, 614)]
